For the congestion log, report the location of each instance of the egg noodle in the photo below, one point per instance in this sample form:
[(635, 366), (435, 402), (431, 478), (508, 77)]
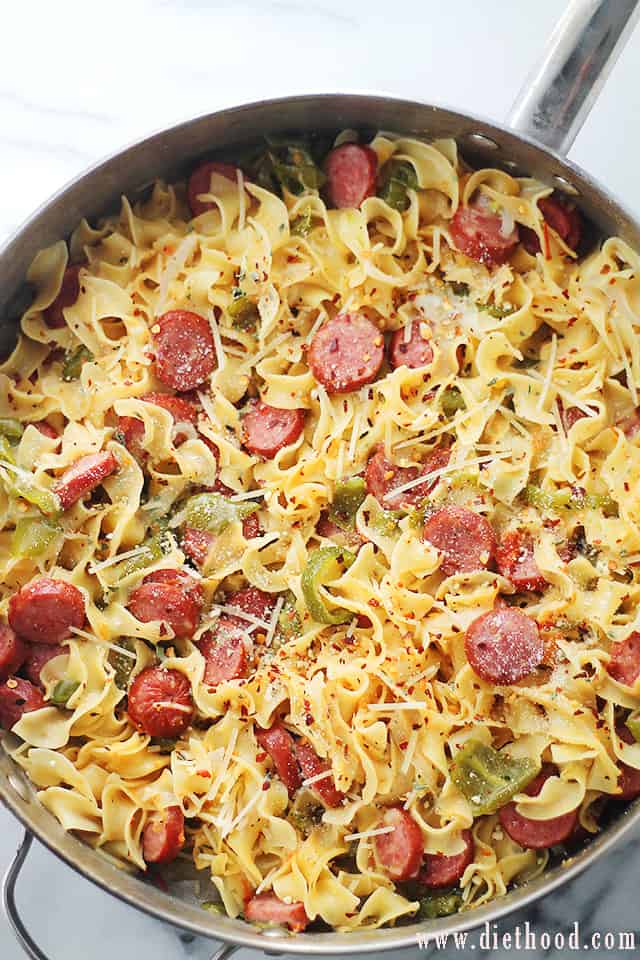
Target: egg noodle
[(387, 697)]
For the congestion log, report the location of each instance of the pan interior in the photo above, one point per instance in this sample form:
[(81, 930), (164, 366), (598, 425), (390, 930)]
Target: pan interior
[(168, 155)]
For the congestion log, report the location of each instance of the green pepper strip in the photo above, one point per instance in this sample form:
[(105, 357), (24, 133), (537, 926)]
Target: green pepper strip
[(62, 692), (73, 362), (633, 725), (489, 778), (451, 401), (11, 429), (347, 499), (440, 904), (288, 622), (32, 537), (214, 512), (20, 483), (301, 226), (566, 499), (122, 665), (400, 177), (243, 311), (324, 565)]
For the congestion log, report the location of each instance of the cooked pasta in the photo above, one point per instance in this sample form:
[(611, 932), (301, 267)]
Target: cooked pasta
[(332, 589)]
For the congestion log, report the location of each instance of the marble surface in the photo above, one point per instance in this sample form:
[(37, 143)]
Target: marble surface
[(79, 81)]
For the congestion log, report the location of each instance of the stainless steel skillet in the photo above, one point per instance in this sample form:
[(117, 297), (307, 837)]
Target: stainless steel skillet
[(542, 127)]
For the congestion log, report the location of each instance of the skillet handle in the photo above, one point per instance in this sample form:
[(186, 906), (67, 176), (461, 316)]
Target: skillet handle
[(22, 935), (559, 93)]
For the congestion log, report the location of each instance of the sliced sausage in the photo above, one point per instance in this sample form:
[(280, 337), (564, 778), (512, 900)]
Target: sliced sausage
[(346, 353), (382, 478), (44, 610), (266, 430), (83, 476), (325, 527), (163, 836), (224, 652), (46, 430), (17, 697), (624, 665), (629, 778), (414, 351), (465, 539), (13, 652), (630, 425), (280, 746), (196, 544), (38, 656), (562, 216), (169, 602), (182, 411), (537, 834), (200, 182), (400, 851), (188, 583), (440, 871), (478, 233), (516, 561), (184, 349), (311, 765), (570, 415), (67, 296), (504, 645), (160, 702), (351, 171), (258, 603), (251, 527), (131, 435), (267, 908)]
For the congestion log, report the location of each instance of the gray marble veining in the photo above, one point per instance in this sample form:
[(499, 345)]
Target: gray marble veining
[(79, 81)]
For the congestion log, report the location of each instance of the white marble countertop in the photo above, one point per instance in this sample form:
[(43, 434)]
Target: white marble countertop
[(79, 81)]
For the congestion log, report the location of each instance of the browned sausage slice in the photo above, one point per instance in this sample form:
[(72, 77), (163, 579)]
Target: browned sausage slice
[(184, 348), (382, 478), (400, 851), (440, 871), (163, 836), (160, 702), (280, 746), (268, 429), (562, 216), (346, 353), (478, 233), (200, 182), (13, 652), (516, 561), (83, 476), (629, 778), (18, 697), (414, 351), (44, 610), (267, 908), (537, 834), (224, 652), (464, 538), (624, 665), (38, 656), (311, 765), (257, 603), (171, 602), (351, 171), (504, 645), (196, 544), (67, 296)]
